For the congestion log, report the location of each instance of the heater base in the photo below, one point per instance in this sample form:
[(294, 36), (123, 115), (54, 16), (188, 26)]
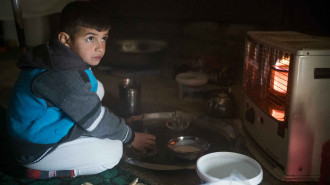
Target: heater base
[(266, 161)]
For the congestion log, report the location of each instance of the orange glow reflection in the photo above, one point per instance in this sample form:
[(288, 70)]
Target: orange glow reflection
[(278, 114), (280, 75)]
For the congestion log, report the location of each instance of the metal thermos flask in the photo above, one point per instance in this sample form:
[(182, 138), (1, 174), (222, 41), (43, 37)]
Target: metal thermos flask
[(130, 97)]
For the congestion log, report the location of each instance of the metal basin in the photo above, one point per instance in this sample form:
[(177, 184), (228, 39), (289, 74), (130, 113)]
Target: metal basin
[(136, 53), (164, 158), (139, 46)]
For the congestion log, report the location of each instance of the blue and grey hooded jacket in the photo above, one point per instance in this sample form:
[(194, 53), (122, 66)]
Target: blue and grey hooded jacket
[(55, 100)]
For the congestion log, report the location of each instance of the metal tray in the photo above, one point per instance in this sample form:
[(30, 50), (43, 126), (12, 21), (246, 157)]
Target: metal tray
[(164, 159)]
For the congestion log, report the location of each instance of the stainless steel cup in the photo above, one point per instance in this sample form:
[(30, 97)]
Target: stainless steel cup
[(130, 97)]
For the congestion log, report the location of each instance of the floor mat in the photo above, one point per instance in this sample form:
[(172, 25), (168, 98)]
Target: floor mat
[(115, 176)]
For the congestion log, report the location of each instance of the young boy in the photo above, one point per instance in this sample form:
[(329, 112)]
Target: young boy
[(56, 119)]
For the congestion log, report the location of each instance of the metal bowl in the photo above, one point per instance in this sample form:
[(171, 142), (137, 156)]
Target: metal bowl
[(188, 147)]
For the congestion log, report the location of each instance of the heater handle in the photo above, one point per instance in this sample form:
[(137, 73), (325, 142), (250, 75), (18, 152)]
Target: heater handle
[(321, 73)]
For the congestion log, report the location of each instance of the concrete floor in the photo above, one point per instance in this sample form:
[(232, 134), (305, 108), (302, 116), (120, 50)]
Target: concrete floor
[(159, 89)]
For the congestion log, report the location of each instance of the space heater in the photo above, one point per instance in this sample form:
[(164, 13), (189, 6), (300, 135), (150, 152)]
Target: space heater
[(286, 102)]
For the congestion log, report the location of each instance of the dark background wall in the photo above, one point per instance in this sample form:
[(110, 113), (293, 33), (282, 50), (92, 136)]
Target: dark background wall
[(307, 16)]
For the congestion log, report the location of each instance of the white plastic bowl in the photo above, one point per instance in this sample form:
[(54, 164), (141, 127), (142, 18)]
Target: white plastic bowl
[(222, 168)]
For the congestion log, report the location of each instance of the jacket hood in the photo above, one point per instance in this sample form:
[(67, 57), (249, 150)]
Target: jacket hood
[(52, 56)]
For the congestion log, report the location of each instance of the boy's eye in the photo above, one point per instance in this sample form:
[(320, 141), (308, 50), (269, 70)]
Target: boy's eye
[(104, 38), (89, 39)]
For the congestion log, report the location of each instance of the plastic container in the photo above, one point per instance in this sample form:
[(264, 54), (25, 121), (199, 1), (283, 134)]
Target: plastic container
[(222, 168), (191, 83)]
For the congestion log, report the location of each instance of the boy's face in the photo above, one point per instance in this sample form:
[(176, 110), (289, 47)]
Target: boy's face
[(89, 44)]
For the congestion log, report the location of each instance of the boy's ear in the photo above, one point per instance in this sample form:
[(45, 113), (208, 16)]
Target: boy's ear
[(64, 38)]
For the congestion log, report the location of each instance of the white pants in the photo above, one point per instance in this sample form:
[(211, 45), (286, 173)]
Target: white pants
[(86, 156)]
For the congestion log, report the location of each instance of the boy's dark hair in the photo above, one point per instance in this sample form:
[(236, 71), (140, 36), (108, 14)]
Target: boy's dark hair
[(82, 13)]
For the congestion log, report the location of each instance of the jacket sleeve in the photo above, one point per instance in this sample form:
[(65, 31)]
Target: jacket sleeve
[(70, 92)]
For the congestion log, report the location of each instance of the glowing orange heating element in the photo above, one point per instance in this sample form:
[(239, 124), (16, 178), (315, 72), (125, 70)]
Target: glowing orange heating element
[(280, 75), (278, 114)]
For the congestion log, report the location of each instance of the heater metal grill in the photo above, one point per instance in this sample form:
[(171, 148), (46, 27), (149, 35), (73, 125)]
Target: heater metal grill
[(266, 77)]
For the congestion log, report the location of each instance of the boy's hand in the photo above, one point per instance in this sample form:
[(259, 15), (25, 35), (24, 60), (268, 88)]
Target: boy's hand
[(135, 122), (144, 142)]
